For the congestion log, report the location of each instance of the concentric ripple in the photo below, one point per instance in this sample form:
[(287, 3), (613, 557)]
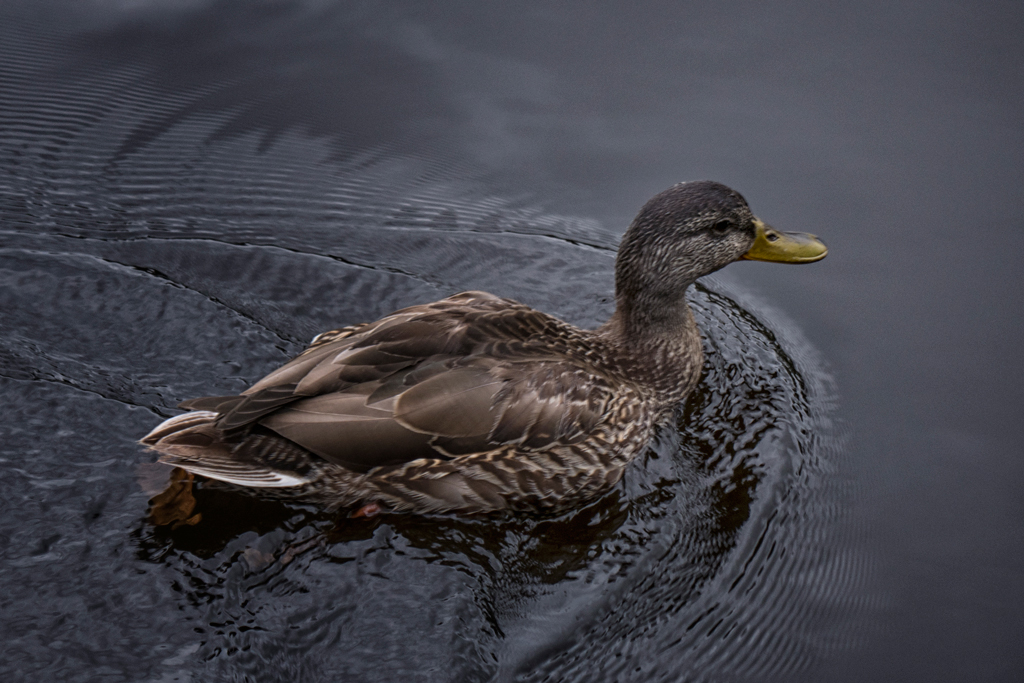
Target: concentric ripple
[(158, 245)]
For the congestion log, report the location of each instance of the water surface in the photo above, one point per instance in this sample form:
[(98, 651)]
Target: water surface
[(189, 194)]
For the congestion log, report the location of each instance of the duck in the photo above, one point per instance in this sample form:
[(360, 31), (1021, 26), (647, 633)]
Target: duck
[(479, 404)]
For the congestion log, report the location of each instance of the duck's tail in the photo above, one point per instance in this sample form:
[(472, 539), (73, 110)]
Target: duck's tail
[(193, 442)]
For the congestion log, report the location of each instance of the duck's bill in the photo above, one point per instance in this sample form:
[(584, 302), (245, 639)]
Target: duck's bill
[(785, 247)]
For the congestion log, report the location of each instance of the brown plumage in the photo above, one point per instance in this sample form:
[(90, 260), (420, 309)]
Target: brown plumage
[(476, 403)]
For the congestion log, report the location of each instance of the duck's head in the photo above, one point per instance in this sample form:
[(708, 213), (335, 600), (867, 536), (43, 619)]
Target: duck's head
[(688, 231)]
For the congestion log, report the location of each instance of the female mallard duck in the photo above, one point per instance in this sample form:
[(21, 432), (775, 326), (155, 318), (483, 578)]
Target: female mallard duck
[(476, 403)]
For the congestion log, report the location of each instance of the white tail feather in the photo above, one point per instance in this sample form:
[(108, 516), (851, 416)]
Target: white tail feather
[(177, 424), (251, 477)]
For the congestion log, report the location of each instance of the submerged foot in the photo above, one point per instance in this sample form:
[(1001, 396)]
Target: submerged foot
[(368, 510)]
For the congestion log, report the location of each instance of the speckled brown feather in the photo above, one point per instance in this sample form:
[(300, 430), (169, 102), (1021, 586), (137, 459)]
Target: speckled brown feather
[(435, 407)]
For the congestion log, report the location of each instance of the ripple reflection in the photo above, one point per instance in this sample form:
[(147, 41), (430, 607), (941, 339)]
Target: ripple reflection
[(707, 557)]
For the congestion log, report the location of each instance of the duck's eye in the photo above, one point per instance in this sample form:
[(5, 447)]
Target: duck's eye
[(722, 226)]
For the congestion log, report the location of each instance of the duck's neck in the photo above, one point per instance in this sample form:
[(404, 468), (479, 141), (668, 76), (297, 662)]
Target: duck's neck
[(661, 339), (653, 320)]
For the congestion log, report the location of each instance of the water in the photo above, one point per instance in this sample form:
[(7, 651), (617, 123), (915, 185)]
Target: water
[(189, 194)]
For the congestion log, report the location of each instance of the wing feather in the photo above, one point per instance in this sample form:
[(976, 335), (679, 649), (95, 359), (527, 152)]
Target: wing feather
[(341, 428), (457, 403), (464, 375)]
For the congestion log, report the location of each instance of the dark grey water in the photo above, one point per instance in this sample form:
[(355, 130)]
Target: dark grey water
[(188, 193)]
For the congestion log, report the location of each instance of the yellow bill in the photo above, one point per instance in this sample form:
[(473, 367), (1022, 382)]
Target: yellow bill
[(784, 247)]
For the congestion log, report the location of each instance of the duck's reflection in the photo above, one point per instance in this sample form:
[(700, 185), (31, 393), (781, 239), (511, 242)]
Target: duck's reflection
[(645, 558)]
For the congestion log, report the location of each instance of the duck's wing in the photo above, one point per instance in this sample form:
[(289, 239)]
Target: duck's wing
[(465, 375), (531, 404)]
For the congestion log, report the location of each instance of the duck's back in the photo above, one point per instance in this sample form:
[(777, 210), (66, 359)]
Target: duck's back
[(469, 376)]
